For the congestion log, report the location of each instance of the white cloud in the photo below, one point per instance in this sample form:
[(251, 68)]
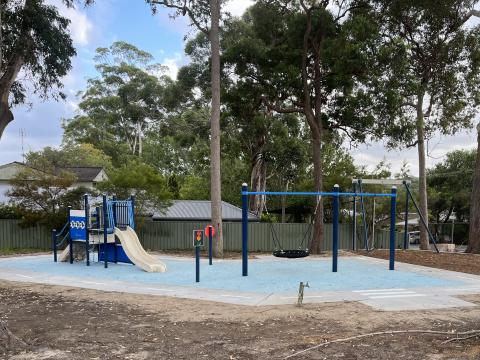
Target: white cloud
[(371, 154), (173, 65), (238, 7), (81, 28)]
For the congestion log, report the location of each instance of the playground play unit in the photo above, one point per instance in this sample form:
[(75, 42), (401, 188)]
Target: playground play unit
[(106, 231), (110, 230)]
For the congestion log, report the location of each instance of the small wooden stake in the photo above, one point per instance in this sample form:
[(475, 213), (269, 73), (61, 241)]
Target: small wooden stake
[(301, 289)]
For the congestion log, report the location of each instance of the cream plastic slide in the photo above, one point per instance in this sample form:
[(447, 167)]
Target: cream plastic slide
[(63, 256), (136, 253)]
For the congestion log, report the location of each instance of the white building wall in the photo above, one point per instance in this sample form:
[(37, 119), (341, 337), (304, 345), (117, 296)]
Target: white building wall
[(4, 187)]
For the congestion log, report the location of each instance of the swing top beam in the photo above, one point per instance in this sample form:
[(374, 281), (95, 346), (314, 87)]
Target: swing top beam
[(381, 181), (321, 193)]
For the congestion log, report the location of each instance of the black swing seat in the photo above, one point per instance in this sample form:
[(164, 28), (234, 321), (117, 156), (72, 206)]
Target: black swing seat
[(291, 254)]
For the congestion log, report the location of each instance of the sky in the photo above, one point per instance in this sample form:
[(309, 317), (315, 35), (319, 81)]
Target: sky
[(131, 21)]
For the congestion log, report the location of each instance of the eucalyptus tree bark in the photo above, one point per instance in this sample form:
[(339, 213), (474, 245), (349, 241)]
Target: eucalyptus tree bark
[(6, 81), (216, 185), (422, 176), (1, 37), (474, 236), (258, 176), (194, 11)]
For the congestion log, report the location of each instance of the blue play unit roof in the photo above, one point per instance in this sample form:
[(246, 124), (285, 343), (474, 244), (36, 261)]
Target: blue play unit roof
[(265, 275)]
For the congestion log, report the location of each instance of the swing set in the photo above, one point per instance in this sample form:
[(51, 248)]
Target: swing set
[(302, 252), (358, 192)]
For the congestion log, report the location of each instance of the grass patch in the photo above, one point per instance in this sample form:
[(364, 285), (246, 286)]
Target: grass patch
[(13, 251)]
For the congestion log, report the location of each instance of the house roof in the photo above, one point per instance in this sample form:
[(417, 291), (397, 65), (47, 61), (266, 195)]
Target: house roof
[(10, 170), (199, 210), (84, 173)]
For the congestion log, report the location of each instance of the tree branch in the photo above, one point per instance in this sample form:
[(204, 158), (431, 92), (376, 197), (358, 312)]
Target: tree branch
[(280, 109), (185, 11)]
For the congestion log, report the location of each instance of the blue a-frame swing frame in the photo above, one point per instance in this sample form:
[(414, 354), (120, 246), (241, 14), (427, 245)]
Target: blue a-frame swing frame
[(335, 194)]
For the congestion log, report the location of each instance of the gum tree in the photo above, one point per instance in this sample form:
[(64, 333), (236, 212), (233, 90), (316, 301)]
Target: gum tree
[(205, 16), (34, 40), (430, 61)]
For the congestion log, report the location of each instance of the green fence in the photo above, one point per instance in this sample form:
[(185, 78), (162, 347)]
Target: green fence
[(173, 235), (176, 235), (13, 236)]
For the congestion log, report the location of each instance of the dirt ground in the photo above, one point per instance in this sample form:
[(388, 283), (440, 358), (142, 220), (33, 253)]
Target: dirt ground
[(52, 322), (467, 263)]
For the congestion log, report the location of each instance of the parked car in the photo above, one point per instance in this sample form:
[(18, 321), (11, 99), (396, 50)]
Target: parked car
[(414, 237)]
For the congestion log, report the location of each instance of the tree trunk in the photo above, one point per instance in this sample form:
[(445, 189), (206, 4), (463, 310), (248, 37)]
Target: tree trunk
[(6, 82), (258, 181), (284, 204), (1, 39), (6, 116), (316, 245), (258, 176), (422, 176), (216, 190), (474, 237)]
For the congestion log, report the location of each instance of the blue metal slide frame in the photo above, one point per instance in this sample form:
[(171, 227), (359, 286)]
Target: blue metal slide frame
[(336, 194)]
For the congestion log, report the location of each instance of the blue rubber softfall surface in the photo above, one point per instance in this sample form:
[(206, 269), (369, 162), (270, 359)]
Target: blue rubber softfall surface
[(264, 275)]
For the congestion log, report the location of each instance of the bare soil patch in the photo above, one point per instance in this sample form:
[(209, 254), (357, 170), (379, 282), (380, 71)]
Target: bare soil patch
[(467, 263), (71, 323)]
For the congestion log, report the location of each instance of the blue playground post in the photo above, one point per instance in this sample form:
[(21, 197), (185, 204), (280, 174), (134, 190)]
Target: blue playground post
[(354, 210), (132, 220), (87, 215), (393, 208), (406, 241), (114, 212), (244, 230), (105, 226), (336, 201), (54, 244), (210, 245), (197, 263), (70, 241)]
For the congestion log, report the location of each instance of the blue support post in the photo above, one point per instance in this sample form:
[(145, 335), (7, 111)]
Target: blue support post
[(336, 207), (406, 240), (105, 228), (114, 209), (54, 244), (244, 230), (393, 210), (354, 210), (114, 212), (70, 241), (132, 199), (197, 263), (210, 242), (87, 242)]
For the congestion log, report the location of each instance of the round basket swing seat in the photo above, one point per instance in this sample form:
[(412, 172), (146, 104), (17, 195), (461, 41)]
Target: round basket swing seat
[(291, 254)]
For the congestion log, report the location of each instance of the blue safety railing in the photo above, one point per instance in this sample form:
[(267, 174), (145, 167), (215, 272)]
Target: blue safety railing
[(120, 213), (64, 233)]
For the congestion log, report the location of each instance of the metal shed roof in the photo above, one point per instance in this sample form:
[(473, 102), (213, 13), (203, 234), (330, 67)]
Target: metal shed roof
[(199, 210)]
